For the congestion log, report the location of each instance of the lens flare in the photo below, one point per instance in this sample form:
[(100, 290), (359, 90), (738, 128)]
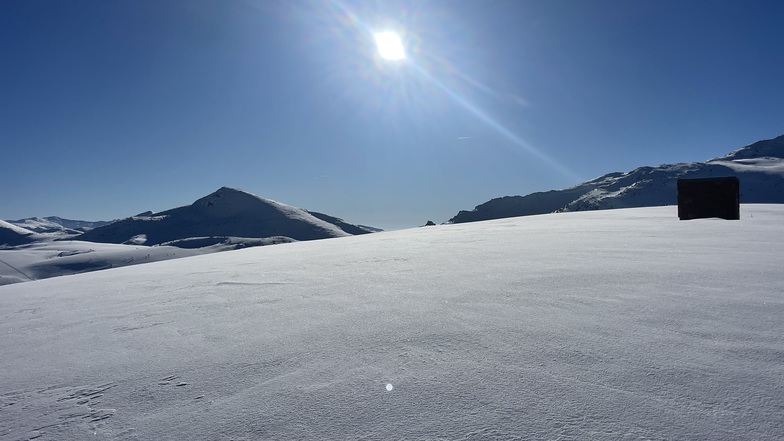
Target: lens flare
[(420, 71)]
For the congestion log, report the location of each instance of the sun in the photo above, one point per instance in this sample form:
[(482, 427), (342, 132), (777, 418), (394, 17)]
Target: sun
[(390, 47)]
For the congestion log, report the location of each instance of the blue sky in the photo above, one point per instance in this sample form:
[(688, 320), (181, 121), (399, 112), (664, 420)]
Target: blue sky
[(111, 108)]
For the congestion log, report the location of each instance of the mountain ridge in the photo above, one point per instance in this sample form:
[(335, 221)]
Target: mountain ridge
[(228, 212), (759, 166), (14, 235), (55, 225)]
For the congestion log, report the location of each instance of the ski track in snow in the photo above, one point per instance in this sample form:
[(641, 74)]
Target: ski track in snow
[(624, 324), (15, 269)]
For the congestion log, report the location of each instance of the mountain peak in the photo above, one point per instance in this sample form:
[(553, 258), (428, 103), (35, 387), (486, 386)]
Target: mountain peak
[(234, 198), (228, 212), (231, 190)]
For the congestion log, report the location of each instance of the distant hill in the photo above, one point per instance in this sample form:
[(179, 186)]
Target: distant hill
[(57, 225), (227, 219), (228, 212), (12, 235), (759, 166), (77, 224)]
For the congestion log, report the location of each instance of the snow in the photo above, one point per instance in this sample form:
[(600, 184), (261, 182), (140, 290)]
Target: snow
[(209, 225), (15, 229), (57, 226), (46, 259), (615, 324), (759, 167), (12, 235), (760, 149), (772, 166), (40, 225), (227, 212)]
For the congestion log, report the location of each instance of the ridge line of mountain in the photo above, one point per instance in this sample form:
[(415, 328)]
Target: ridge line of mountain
[(759, 167)]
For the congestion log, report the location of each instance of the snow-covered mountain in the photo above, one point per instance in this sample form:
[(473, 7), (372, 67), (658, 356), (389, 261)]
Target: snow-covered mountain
[(567, 326), (57, 226), (758, 166), (13, 235), (228, 219), (228, 212)]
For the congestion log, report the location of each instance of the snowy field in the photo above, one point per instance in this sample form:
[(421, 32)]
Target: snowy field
[(619, 324), (55, 258), (41, 260)]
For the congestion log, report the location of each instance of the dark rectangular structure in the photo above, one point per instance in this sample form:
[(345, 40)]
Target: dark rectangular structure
[(709, 197)]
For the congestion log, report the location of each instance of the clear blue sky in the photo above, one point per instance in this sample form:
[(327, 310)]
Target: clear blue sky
[(111, 108)]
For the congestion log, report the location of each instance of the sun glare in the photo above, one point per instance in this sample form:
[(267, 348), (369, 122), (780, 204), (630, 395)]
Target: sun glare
[(389, 46)]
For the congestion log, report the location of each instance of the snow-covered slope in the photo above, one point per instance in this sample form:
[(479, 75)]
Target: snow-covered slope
[(615, 324), (759, 166), (44, 226), (228, 219), (44, 258), (343, 225), (226, 212), (12, 235), (771, 148), (55, 225)]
